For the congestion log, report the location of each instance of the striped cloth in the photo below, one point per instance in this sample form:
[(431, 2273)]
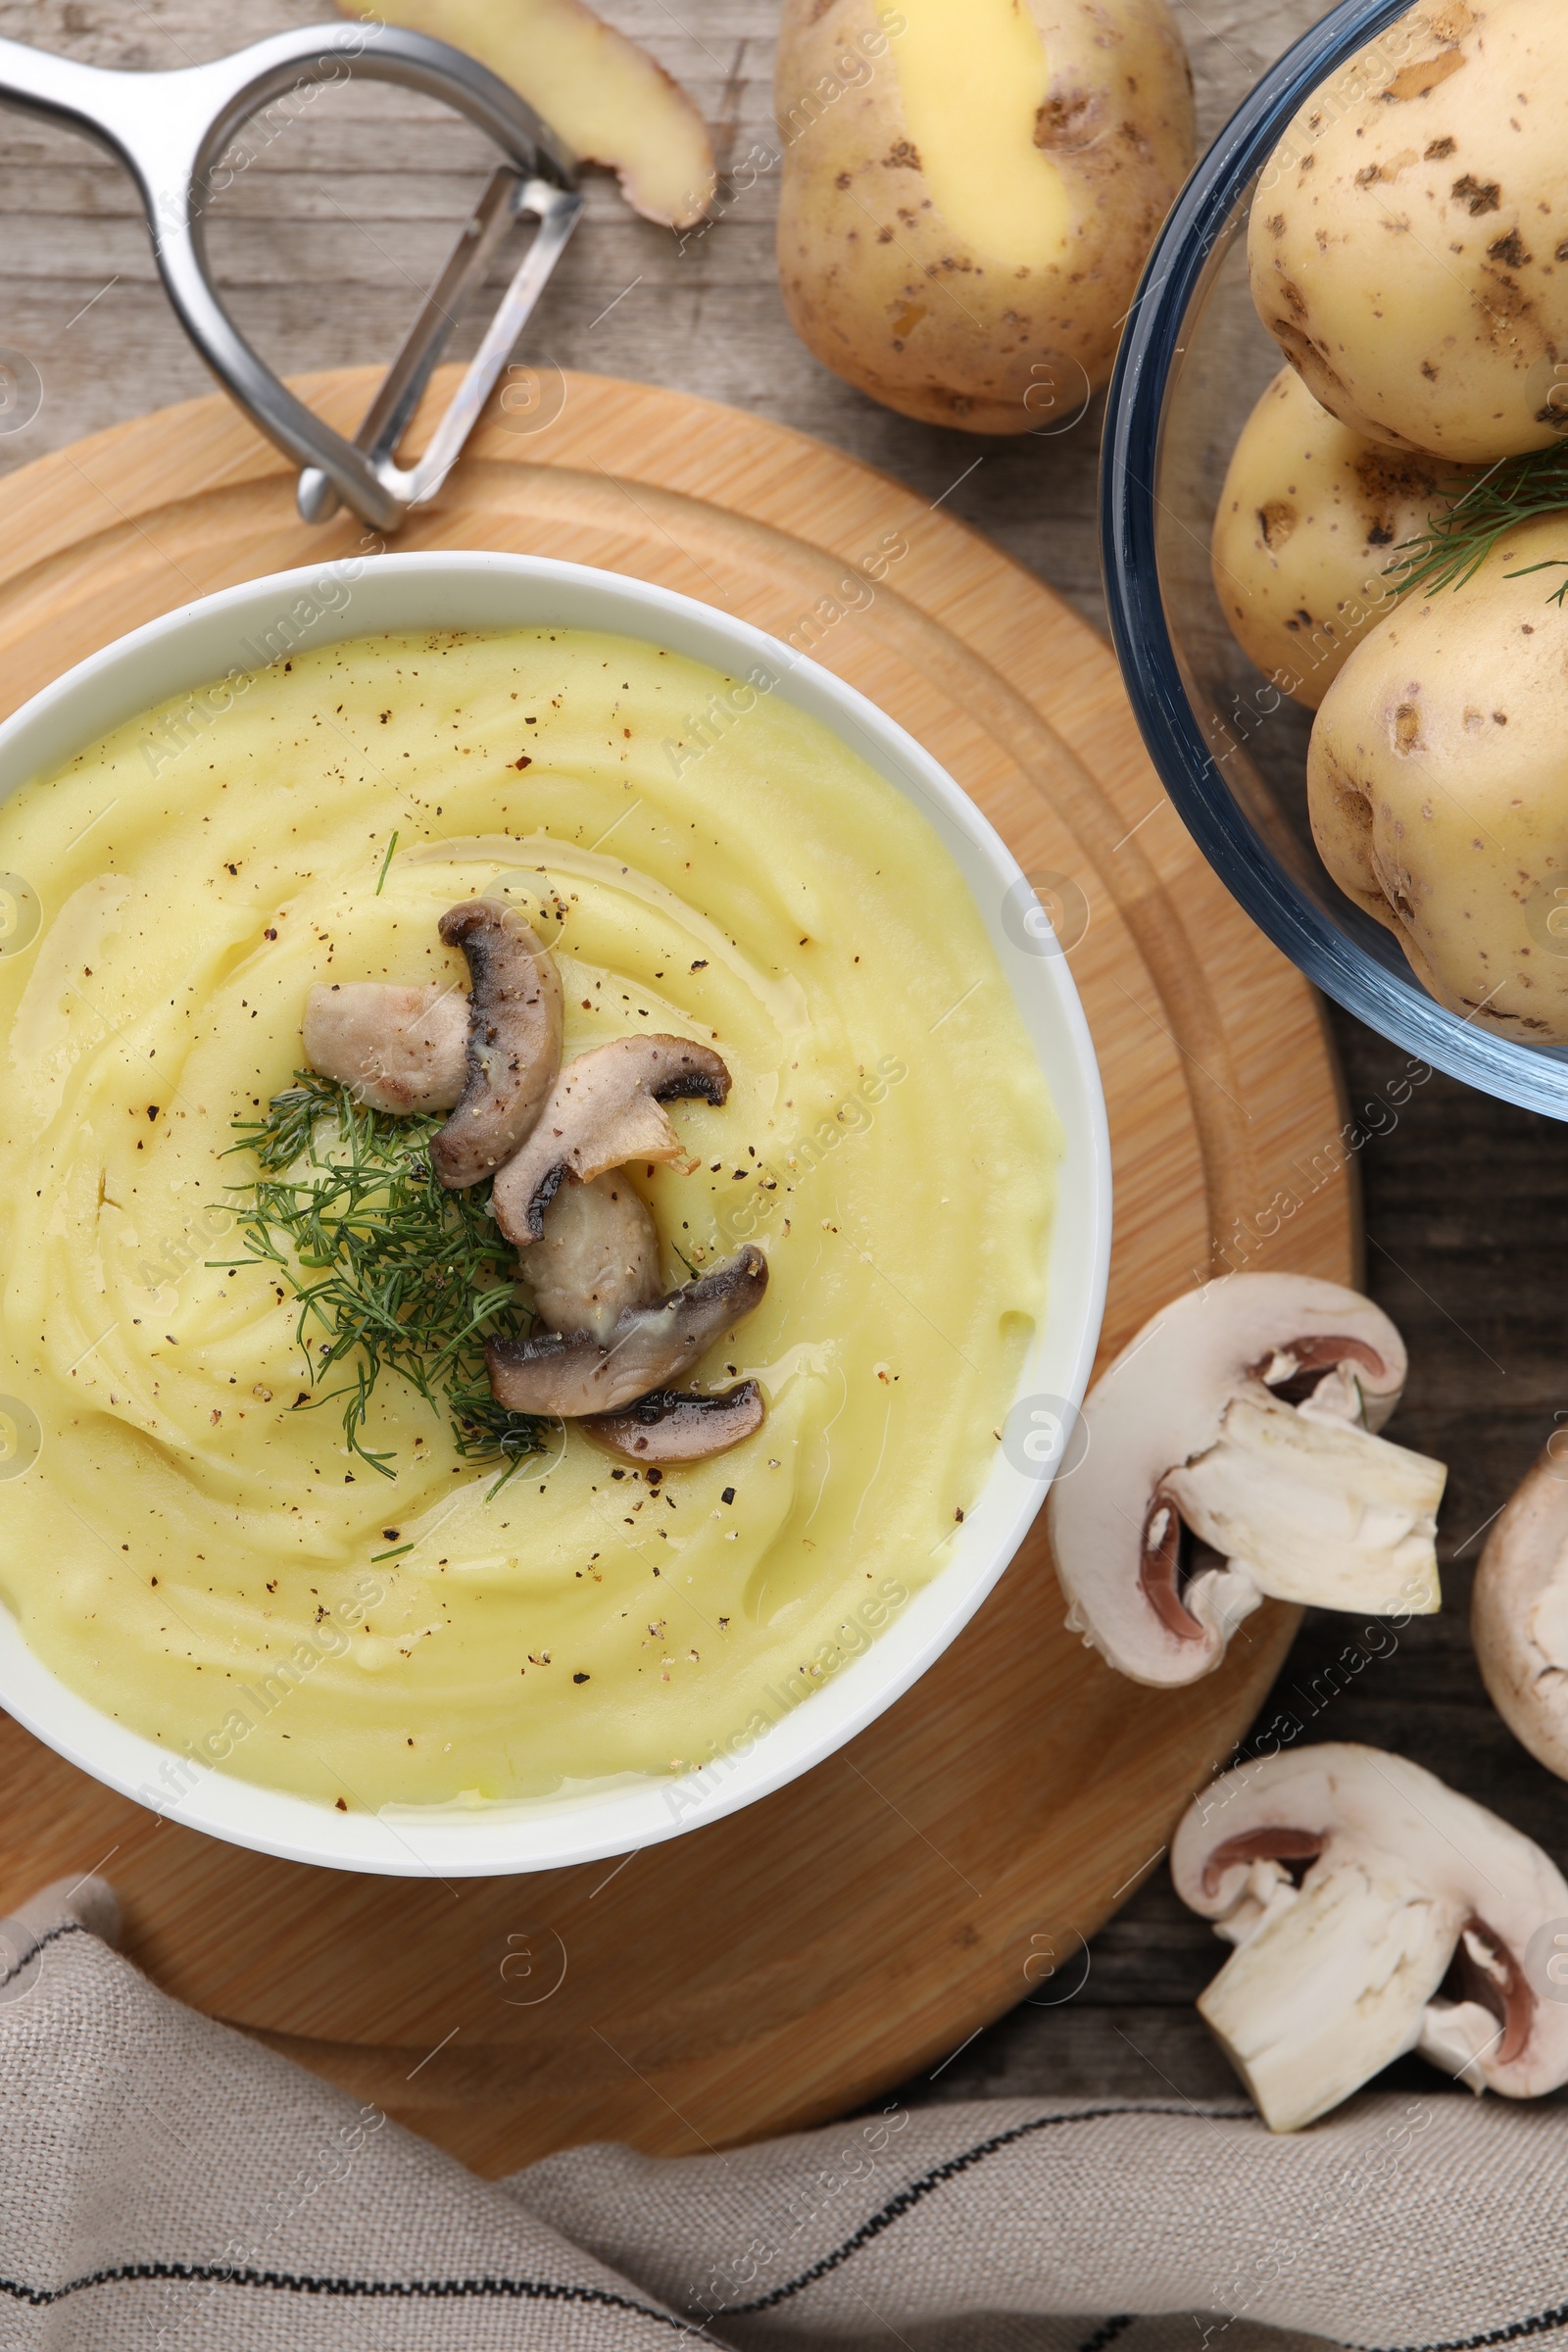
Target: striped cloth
[(168, 2185)]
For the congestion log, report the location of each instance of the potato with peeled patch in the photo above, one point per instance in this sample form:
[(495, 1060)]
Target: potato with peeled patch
[(1408, 242), (971, 190), (1437, 783), (1307, 524)]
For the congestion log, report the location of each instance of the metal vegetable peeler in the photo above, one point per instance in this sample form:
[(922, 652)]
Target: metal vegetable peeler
[(170, 130)]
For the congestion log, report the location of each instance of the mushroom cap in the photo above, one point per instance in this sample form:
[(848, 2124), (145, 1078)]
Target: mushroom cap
[(1488, 1889), (1519, 1614), (400, 1050), (652, 1346), (1268, 1338), (597, 1258), (513, 1043), (605, 1111), (673, 1425)]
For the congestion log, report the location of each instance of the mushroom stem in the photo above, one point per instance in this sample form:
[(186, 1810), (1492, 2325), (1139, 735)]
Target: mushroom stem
[(399, 1050), (596, 1259), (1316, 1511), (1331, 1985), (514, 1044)]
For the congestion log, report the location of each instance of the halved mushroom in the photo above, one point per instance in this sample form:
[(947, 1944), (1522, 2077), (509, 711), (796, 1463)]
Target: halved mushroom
[(575, 1374), (1244, 1413), (597, 1258), (1519, 1614), (514, 1046), (1374, 1911), (606, 1108), (398, 1049), (673, 1425)]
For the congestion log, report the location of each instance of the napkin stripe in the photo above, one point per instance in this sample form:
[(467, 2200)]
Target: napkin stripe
[(69, 1927), (938, 2178), (529, 2290), (1108, 2331)]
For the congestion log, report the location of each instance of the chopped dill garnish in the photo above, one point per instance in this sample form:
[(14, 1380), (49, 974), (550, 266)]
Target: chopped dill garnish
[(399, 1274), (1462, 536)]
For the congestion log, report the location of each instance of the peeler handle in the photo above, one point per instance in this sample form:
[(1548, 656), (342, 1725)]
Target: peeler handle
[(170, 130), (56, 86)]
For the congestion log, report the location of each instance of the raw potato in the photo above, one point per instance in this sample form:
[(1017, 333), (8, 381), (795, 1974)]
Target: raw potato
[(1410, 238), (1438, 788), (1309, 517), (970, 190), (600, 93)]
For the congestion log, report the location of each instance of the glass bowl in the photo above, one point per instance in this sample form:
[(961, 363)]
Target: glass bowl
[(1229, 748)]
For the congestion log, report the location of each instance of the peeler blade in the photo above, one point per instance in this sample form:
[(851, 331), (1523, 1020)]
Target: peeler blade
[(511, 196)]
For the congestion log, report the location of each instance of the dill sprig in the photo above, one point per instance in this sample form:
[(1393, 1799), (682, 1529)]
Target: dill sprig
[(1460, 536), (391, 1272)]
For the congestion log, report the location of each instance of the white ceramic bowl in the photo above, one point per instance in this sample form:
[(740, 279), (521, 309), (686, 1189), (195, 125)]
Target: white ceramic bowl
[(200, 641)]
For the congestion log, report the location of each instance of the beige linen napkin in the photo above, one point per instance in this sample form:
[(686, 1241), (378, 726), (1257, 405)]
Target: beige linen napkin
[(168, 2185)]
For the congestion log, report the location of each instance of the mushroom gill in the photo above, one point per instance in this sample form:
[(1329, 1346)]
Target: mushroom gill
[(1160, 1570), (672, 1425), (1274, 1845), (514, 1044), (1302, 1371), (1486, 1975), (574, 1374)]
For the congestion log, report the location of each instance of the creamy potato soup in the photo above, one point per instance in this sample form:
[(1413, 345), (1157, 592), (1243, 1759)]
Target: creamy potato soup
[(194, 1537)]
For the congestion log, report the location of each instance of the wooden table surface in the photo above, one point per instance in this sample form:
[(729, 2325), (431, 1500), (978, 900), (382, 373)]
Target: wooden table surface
[(324, 245)]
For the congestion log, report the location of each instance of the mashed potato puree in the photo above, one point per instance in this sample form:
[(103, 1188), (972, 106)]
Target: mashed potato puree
[(194, 1548)]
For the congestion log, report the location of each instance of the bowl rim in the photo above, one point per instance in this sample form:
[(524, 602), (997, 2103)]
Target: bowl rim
[(485, 590), (1389, 998)]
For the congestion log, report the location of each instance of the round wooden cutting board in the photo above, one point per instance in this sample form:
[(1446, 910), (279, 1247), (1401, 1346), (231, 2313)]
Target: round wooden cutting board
[(772, 1969)]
